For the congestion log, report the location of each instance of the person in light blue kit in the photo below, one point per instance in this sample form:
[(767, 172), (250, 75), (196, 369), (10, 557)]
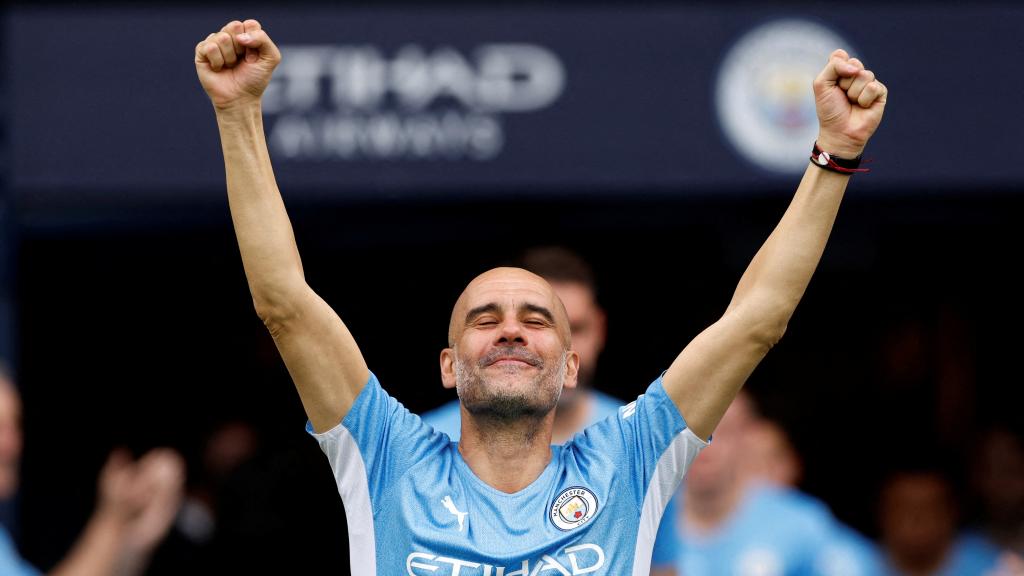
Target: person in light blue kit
[(743, 517), (572, 280), (770, 460), (918, 518), (504, 501)]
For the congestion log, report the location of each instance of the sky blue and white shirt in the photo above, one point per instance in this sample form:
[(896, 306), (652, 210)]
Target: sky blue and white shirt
[(447, 418), (970, 555), (779, 532), (415, 508)]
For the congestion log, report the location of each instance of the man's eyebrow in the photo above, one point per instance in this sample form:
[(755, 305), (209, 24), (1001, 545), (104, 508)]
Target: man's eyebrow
[(491, 307), (540, 310)]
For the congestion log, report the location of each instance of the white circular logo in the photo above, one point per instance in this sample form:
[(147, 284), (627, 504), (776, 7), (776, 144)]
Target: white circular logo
[(573, 508), (764, 97)]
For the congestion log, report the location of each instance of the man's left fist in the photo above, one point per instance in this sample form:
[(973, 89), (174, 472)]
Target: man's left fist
[(850, 102)]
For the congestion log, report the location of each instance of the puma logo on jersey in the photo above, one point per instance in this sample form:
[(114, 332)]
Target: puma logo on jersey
[(449, 505)]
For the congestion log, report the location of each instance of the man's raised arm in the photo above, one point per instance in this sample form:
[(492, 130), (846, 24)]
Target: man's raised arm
[(709, 372), (234, 67)]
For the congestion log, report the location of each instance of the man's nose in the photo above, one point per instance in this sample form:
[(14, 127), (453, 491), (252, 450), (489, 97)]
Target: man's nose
[(511, 333)]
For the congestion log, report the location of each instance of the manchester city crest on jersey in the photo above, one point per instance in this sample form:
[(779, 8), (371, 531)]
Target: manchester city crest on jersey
[(573, 508)]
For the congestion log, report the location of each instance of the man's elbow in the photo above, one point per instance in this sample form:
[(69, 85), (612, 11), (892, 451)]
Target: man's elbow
[(272, 316), (765, 333), (276, 309), (764, 330), (771, 333)]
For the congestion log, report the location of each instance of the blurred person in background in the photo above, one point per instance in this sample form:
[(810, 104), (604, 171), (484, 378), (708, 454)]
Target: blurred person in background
[(741, 516), (572, 279), (918, 521), (770, 457), (229, 446), (997, 477), (205, 538), (137, 502)]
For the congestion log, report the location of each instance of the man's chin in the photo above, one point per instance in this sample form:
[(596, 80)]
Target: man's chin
[(514, 380), (507, 408)]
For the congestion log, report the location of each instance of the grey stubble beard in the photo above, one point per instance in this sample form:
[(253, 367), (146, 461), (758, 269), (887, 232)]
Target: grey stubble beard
[(505, 408)]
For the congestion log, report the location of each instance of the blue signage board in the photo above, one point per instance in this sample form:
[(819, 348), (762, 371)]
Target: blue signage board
[(708, 98)]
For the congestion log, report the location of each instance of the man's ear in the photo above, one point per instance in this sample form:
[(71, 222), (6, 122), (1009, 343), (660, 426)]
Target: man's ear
[(448, 368), (572, 369)]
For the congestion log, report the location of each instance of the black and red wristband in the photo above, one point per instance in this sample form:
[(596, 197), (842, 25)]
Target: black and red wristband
[(826, 161)]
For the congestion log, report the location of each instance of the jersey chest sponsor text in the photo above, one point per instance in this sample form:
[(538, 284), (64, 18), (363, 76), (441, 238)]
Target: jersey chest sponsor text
[(572, 561)]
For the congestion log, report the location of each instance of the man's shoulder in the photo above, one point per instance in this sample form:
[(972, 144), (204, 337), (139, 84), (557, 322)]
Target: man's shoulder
[(798, 512)]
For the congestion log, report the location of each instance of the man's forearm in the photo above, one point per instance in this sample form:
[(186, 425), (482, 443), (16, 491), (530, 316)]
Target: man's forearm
[(777, 277), (97, 551), (706, 375), (265, 237)]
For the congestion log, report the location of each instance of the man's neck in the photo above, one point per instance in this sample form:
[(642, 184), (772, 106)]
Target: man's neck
[(508, 456), (705, 512)]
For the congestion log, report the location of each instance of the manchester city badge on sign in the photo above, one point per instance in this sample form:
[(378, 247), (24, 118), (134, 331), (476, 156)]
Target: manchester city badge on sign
[(763, 95), (572, 508)]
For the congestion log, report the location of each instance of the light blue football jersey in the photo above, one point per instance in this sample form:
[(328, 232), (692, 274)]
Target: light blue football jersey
[(447, 418), (971, 555), (847, 553), (778, 532), (11, 563), (415, 508)]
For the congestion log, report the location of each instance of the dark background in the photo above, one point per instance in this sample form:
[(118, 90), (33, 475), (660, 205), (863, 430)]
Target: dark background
[(134, 325)]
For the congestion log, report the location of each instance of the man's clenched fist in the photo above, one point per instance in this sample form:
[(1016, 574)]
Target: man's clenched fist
[(235, 64), (850, 103)]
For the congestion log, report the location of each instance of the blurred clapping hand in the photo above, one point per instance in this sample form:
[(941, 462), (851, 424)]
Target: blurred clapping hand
[(141, 498)]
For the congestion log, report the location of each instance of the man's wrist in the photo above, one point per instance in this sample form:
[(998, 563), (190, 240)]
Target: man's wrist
[(240, 119), (239, 110), (839, 147), (826, 161), (109, 516)]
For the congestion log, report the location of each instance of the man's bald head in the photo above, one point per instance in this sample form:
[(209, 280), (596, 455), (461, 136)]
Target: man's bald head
[(499, 288)]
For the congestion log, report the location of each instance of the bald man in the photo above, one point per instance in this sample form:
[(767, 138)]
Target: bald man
[(573, 282), (503, 501)]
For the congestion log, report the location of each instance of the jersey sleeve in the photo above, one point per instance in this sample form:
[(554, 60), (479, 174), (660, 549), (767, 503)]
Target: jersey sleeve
[(649, 442), (650, 448), (377, 440)]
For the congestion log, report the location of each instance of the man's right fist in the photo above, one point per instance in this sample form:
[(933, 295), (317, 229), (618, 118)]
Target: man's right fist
[(235, 64)]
